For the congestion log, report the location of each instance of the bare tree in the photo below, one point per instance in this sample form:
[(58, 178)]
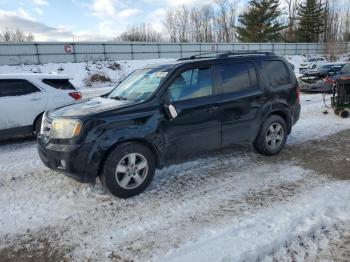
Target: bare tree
[(292, 7), (226, 20), (16, 36), (170, 25), (182, 18), (208, 18), (140, 33), (196, 25)]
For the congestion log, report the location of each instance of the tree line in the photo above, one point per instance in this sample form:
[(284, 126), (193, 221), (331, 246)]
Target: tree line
[(259, 21)]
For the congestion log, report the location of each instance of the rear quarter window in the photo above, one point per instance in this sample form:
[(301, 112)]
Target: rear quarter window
[(16, 87), (275, 73), (62, 84), (237, 77)]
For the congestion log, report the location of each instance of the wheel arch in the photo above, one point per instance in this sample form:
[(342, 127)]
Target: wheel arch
[(35, 120), (285, 116), (131, 140)]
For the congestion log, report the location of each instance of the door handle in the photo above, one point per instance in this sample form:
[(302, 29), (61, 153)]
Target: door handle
[(35, 98), (211, 109), (260, 99)]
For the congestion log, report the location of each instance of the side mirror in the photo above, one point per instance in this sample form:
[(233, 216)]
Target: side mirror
[(171, 111)]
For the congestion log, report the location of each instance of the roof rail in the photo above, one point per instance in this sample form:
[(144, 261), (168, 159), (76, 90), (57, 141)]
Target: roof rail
[(253, 52), (226, 54), (198, 56)]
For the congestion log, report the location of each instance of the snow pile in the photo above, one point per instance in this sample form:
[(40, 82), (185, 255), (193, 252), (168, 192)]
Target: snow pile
[(296, 60), (81, 72)]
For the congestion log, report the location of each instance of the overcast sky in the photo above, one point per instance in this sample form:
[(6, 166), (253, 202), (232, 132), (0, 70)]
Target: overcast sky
[(83, 20)]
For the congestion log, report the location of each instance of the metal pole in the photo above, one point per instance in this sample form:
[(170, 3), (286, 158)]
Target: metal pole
[(37, 53), (132, 51), (74, 53), (104, 51)]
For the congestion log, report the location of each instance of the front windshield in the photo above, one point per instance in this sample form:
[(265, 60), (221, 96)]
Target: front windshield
[(346, 69), (139, 85)]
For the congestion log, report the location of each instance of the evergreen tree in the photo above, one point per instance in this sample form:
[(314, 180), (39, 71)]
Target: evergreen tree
[(260, 22), (312, 16)]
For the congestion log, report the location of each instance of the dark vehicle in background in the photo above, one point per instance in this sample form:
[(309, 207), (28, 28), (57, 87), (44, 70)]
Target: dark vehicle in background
[(315, 80), (330, 81), (162, 114)]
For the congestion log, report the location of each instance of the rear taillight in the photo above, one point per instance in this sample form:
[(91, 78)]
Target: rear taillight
[(298, 94), (75, 95), (329, 81)]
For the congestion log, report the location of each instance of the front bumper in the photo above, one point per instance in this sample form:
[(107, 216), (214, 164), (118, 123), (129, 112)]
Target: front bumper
[(73, 162)]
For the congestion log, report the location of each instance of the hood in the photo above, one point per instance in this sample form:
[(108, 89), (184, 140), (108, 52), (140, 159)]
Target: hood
[(90, 106)]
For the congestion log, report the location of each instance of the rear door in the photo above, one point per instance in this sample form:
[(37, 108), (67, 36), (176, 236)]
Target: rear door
[(241, 101), (196, 128), (20, 103)]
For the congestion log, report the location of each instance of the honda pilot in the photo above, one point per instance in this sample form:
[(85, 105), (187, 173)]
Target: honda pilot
[(161, 113)]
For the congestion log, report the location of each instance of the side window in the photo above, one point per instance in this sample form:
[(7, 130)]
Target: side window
[(62, 84), (237, 77), (192, 83), (275, 73), (16, 87)]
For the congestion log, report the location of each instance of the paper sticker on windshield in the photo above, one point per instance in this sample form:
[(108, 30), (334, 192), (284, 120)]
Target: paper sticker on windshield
[(160, 74)]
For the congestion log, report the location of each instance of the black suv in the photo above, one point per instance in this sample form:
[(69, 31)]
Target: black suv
[(160, 114)]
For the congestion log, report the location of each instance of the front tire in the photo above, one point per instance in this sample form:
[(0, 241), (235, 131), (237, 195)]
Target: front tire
[(128, 170), (272, 136)]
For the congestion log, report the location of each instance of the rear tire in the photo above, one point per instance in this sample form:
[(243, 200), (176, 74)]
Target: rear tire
[(344, 114), (272, 136), (128, 170), (337, 111)]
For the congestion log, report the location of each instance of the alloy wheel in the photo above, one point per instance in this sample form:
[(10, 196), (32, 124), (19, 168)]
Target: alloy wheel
[(131, 171), (275, 136)]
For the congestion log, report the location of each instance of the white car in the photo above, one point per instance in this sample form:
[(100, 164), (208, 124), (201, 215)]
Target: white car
[(313, 63), (24, 98)]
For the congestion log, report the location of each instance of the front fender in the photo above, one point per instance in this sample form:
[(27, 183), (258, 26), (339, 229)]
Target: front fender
[(143, 129)]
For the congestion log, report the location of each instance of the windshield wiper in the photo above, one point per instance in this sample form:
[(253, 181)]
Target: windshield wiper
[(118, 98)]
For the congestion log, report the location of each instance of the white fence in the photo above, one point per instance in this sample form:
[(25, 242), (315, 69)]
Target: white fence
[(55, 52)]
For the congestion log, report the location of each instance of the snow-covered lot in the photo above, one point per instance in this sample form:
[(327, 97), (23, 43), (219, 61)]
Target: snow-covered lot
[(231, 205)]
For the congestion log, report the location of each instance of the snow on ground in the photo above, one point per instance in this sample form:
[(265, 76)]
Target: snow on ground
[(313, 123), (224, 206), (250, 237)]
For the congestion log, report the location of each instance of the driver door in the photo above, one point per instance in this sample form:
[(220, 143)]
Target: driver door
[(196, 127)]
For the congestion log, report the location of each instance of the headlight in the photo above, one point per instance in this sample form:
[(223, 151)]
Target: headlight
[(65, 128)]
